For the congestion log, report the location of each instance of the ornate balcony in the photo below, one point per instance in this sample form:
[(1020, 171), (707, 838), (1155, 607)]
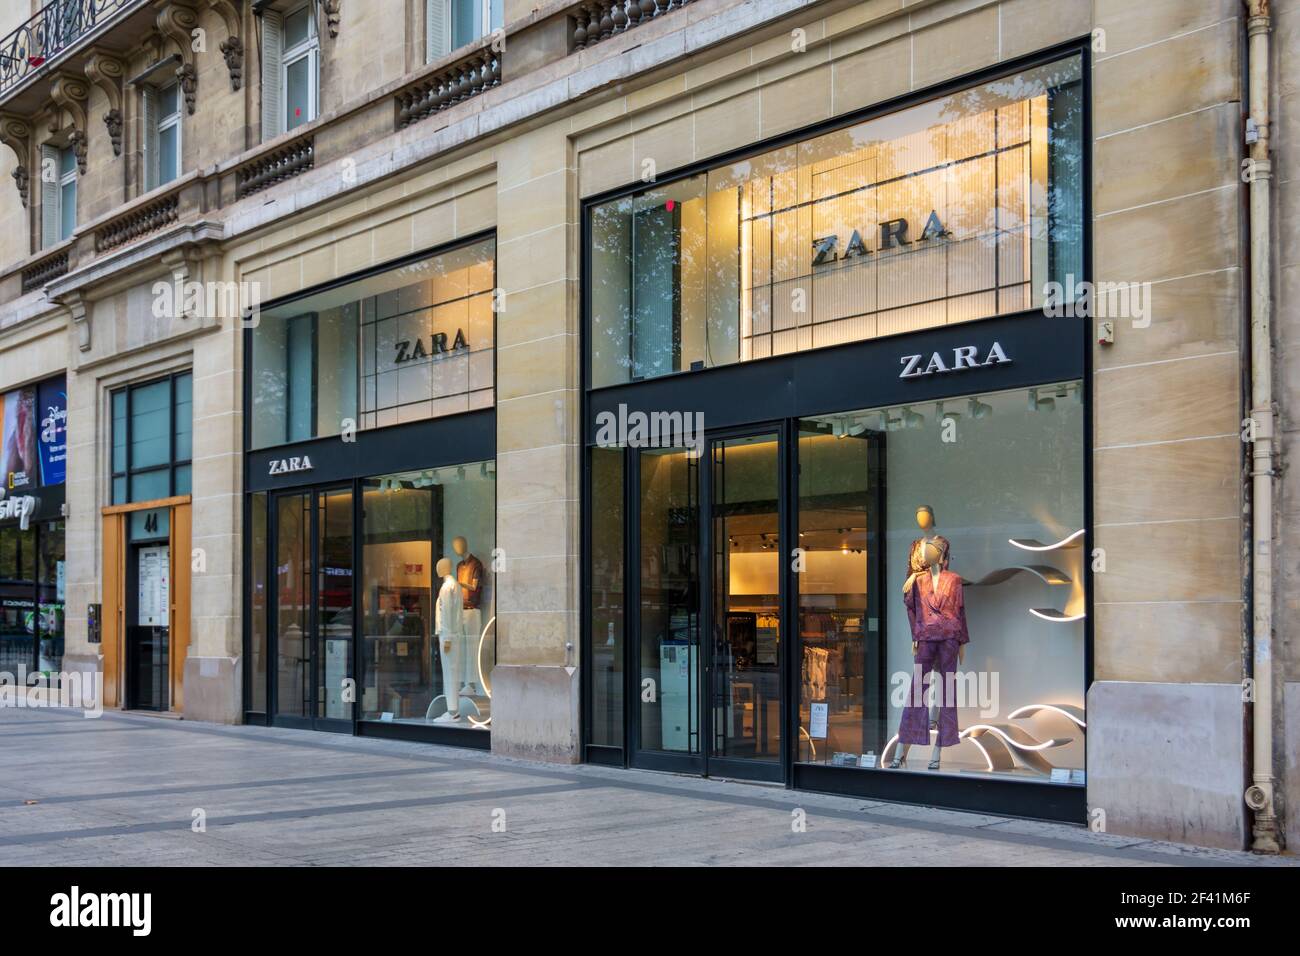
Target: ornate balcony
[(55, 29), (596, 20)]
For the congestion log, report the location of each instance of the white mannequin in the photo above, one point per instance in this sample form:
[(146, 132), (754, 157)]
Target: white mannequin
[(448, 622), (471, 622)]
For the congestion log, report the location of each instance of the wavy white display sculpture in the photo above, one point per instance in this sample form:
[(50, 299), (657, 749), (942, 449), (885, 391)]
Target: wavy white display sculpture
[(1032, 544)]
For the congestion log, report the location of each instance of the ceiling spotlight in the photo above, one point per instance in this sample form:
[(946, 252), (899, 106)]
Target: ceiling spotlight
[(912, 419), (460, 473), (979, 410), (857, 428), (941, 416)]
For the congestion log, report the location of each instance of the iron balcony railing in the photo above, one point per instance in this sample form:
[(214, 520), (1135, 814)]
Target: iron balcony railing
[(55, 28)]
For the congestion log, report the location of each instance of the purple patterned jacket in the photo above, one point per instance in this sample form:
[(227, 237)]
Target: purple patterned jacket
[(937, 612)]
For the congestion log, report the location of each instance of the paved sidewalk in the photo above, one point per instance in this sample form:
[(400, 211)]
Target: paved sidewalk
[(124, 790)]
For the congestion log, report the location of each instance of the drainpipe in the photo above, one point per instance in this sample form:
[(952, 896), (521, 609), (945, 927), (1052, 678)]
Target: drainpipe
[(1260, 795)]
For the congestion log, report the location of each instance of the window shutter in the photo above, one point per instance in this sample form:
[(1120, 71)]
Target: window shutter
[(49, 174), (272, 55), (437, 29), (149, 118)]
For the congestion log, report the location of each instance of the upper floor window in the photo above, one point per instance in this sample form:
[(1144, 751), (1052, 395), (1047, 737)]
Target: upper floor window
[(58, 194), (452, 24), (153, 428), (290, 68), (409, 343), (162, 120), (959, 208)]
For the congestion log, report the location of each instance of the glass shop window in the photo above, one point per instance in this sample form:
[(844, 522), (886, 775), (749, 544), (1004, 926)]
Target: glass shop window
[(941, 610), (411, 343), (429, 596), (960, 208)]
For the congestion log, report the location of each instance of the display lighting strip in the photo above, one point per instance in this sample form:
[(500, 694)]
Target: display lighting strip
[(1029, 544), (1056, 617), (1030, 709)]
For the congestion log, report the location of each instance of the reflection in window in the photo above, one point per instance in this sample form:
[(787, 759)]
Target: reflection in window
[(412, 343), (258, 606), (50, 596), (301, 66), (670, 626), (428, 596), (18, 561), (1005, 501), (607, 597), (956, 209), (152, 442)]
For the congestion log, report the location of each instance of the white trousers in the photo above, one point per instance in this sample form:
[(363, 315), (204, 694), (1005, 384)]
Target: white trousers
[(451, 667)]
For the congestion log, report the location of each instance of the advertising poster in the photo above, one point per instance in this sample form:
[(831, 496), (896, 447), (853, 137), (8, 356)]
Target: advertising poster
[(154, 588), (18, 438), (52, 405)]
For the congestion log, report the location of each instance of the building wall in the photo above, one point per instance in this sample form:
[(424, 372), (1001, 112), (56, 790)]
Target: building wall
[(1167, 452), (1286, 322)]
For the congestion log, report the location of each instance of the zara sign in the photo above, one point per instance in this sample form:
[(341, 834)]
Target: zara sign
[(287, 466), (962, 358)]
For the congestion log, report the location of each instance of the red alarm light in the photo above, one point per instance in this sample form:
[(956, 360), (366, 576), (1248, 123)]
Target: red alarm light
[(670, 205)]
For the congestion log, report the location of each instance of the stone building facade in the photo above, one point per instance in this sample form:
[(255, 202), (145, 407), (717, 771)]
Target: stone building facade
[(522, 134)]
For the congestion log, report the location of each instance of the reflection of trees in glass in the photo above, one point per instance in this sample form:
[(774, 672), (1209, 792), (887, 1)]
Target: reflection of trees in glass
[(658, 288), (1063, 87)]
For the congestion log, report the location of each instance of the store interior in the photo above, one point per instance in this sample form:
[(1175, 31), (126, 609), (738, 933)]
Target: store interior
[(412, 521)]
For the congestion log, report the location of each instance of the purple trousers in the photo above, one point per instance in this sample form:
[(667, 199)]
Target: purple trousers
[(941, 658)]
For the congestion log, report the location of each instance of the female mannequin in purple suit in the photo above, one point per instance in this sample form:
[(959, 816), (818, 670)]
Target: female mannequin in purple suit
[(936, 611)]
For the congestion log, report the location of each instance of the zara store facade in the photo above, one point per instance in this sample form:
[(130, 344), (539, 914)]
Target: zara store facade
[(836, 489), (371, 501)]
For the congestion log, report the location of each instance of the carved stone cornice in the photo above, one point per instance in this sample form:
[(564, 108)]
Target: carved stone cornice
[(78, 318), (69, 93), (107, 71), (232, 47), (16, 133), (177, 22)]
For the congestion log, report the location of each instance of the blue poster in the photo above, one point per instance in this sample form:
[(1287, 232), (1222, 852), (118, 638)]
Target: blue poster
[(52, 405)]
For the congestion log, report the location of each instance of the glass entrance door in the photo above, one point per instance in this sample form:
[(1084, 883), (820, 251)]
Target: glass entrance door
[(312, 542), (707, 638), (667, 731), (746, 605)]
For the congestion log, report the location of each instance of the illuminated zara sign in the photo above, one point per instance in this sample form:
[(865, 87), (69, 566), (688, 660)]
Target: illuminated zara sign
[(959, 359)]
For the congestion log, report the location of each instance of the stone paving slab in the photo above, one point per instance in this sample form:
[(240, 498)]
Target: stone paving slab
[(122, 791)]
